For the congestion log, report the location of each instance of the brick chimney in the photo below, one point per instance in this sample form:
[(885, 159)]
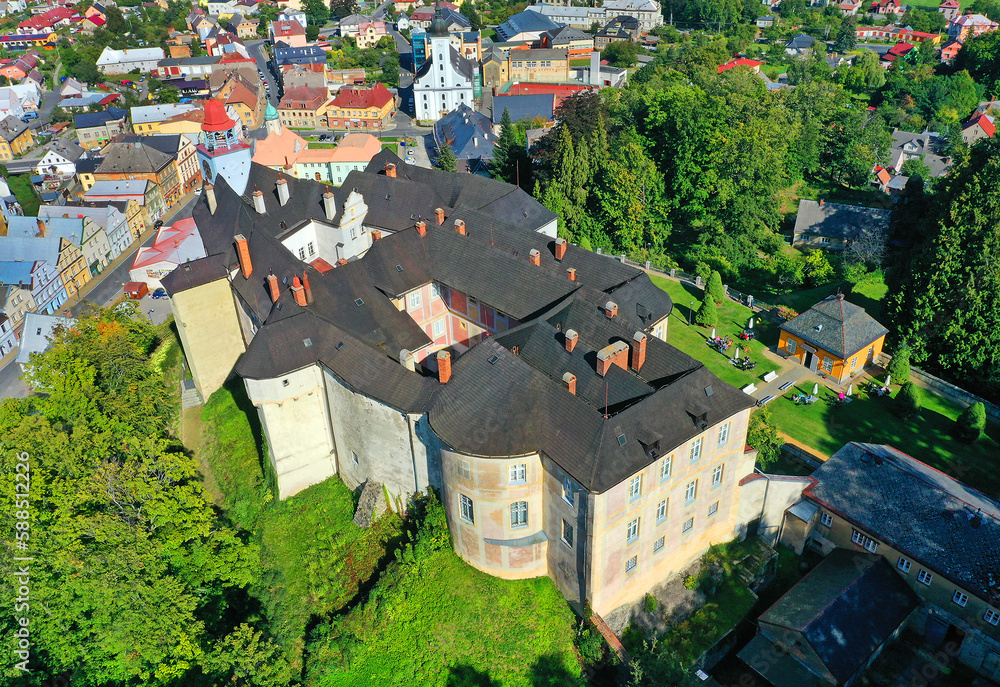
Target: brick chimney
[(638, 350), (460, 226), (444, 366), (571, 273), (406, 360), (309, 291), (272, 286), (560, 249), (613, 354), (569, 381), (258, 201), (376, 235), (298, 292), (439, 216), (340, 262), (41, 228), (210, 195), (571, 337), (243, 255), (610, 309), (821, 201), (329, 206), (283, 192), (422, 228), (390, 170), (534, 257)]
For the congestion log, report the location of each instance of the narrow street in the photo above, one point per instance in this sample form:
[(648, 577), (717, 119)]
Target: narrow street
[(256, 49)]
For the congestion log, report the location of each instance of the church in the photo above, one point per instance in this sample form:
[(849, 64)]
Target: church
[(445, 80)]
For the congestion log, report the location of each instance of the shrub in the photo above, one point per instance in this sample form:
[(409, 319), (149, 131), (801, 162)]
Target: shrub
[(970, 425), (707, 315), (785, 312), (899, 366), (763, 436), (817, 268), (907, 401), (855, 272), (714, 288), (650, 603), (590, 644)]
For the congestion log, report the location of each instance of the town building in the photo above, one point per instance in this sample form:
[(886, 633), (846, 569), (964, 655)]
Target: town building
[(526, 107), (970, 25), (618, 29), (470, 136), (114, 61), (95, 129), (289, 32), (949, 51), (951, 9), (361, 107), (244, 27), (61, 159), (582, 18), (134, 158), (539, 64), (528, 25), (174, 245), (310, 54), (445, 79), (146, 119), (111, 217), (980, 126), (927, 147), (15, 138), (834, 338), (312, 75), (304, 107), (186, 67), (832, 226), (646, 12), (30, 271), (576, 42), (370, 33), (69, 237), (220, 150), (245, 95), (469, 45)]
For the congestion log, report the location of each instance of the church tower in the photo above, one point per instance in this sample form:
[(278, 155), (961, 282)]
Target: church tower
[(271, 120), (220, 151)]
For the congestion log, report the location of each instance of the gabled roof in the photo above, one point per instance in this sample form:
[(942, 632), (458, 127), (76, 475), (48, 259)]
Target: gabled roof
[(91, 119), (132, 154), (739, 62), (359, 97), (800, 42), (527, 21), (835, 220), (469, 133), (523, 107), (37, 331), (985, 122), (837, 326)]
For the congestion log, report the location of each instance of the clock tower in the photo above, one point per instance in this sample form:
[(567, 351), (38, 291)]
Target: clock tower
[(220, 151)]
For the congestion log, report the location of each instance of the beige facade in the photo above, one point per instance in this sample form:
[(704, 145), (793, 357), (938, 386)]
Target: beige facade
[(547, 66)]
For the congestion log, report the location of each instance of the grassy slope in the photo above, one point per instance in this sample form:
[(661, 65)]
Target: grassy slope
[(441, 622), (732, 319), (21, 187)]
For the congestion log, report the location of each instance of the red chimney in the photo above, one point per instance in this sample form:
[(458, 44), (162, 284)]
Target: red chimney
[(272, 285), (571, 273), (610, 309), (560, 248), (638, 350), (376, 235), (41, 228), (569, 381), (342, 261), (390, 170), (571, 338), (305, 283), (534, 257), (613, 354), (444, 366), (821, 202), (298, 292), (243, 255), (439, 216), (460, 226), (422, 228)]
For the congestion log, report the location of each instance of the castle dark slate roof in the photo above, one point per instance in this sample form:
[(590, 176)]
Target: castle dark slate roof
[(948, 527), (835, 220), (836, 326)]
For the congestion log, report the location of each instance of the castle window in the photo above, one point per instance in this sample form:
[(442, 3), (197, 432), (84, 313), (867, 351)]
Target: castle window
[(826, 520), (688, 526), (717, 476), (661, 511), (658, 544), (665, 468), (354, 457), (465, 507), (518, 473), (713, 509), (632, 531), (635, 488), (630, 564), (518, 515), (696, 449), (724, 433), (567, 535)]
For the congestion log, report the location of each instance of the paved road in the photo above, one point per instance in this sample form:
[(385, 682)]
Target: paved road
[(256, 49)]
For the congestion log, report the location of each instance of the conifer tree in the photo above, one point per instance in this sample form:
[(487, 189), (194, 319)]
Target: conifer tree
[(505, 152), (444, 157), (714, 288), (708, 314)]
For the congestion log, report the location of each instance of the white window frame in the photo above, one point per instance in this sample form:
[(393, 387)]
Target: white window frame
[(960, 598), (904, 564), (435, 291), (854, 363), (691, 492), (661, 511), (864, 541), (666, 468), (688, 525), (438, 328), (518, 473), (717, 476), (695, 453), (790, 345), (311, 249), (631, 564), (658, 544), (466, 509), (828, 365), (724, 433), (414, 300), (925, 577), (632, 531), (568, 491), (825, 519), (991, 616), (302, 253), (519, 515), (635, 488), (713, 509), (464, 469)]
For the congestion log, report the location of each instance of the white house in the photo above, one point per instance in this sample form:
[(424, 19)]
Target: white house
[(293, 15), (444, 80), (217, 7), (646, 11), (31, 97), (106, 215), (60, 160), (10, 103), (114, 61), (402, 22)]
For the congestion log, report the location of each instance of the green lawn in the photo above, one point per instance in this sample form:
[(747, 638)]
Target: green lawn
[(439, 621), (826, 427), (24, 191), (732, 319), (868, 294)]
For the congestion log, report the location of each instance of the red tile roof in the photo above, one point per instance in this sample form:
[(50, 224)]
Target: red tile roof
[(354, 97), (739, 62), (989, 128)]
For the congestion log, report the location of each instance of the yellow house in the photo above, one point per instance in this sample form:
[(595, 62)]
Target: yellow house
[(546, 65), (15, 138), (834, 338)]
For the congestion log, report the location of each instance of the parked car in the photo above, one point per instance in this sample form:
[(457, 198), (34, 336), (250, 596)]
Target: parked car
[(157, 224), (28, 116), (159, 293)]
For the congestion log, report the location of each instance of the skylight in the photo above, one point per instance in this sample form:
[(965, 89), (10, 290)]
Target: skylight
[(399, 268), (708, 390), (307, 342), (340, 345), (621, 439), (493, 359), (358, 302)]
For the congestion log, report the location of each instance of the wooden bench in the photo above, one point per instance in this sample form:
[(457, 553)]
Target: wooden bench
[(785, 386), (770, 376), (765, 401)]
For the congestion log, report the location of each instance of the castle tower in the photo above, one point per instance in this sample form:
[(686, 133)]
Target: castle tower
[(220, 151)]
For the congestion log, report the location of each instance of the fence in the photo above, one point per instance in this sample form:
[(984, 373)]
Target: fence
[(948, 390)]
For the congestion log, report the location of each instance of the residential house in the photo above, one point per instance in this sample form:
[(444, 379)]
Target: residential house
[(361, 107), (31, 272), (18, 69), (291, 33), (422, 17), (470, 136), (174, 245), (15, 301), (85, 168), (61, 159), (887, 182), (908, 35), (951, 9), (753, 65), (129, 158), (146, 119), (926, 146), (834, 338), (186, 67), (769, 21), (29, 94), (138, 193), (10, 7), (23, 234), (526, 107), (647, 12), (72, 88), (970, 25), (578, 43), (311, 75), (829, 627), (246, 96), (15, 138), (949, 51), (311, 54), (351, 24), (111, 217), (129, 208), (86, 235), (899, 50), (370, 33), (354, 152), (183, 152), (800, 45), (244, 27), (528, 25), (937, 533), (92, 24), (304, 107), (25, 41), (979, 127), (218, 7), (547, 66), (495, 69), (38, 332), (293, 14), (618, 29), (95, 129), (581, 18), (891, 7), (10, 103), (832, 226), (445, 79), (114, 61)]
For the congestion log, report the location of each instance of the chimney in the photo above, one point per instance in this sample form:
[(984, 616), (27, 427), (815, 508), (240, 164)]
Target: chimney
[(243, 255), (571, 273), (258, 201), (340, 262), (571, 338), (569, 381), (422, 228), (272, 285), (595, 68), (390, 170), (460, 226), (638, 350), (41, 228), (309, 291), (444, 366), (439, 216), (298, 292), (560, 249), (534, 257), (612, 354), (406, 360), (329, 206), (376, 235), (821, 202), (283, 192), (610, 309), (210, 195)]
